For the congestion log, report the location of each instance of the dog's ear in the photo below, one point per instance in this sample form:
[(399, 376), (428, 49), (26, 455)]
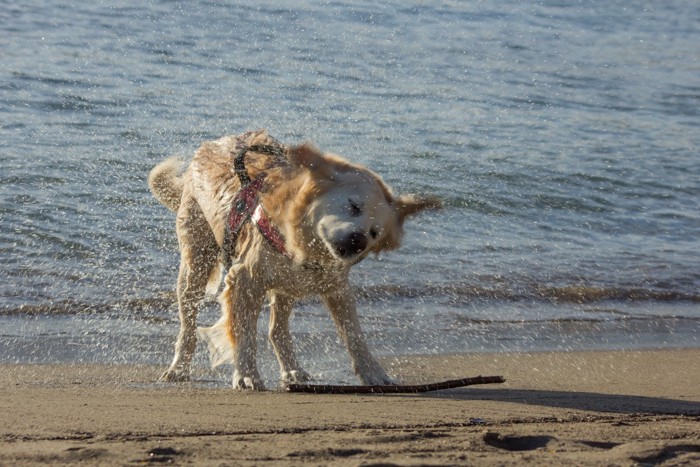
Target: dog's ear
[(306, 155), (407, 205)]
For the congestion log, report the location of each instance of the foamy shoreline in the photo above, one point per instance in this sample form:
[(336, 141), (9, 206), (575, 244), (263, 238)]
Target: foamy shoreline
[(585, 408)]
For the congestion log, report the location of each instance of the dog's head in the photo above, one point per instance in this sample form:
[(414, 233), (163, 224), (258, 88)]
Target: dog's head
[(342, 211)]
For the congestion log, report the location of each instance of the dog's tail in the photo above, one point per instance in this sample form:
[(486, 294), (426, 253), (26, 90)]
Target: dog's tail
[(165, 184), (219, 341)]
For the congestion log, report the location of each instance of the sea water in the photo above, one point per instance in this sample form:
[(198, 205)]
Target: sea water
[(563, 138)]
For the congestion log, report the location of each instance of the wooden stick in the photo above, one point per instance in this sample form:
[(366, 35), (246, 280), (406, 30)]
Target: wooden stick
[(392, 389)]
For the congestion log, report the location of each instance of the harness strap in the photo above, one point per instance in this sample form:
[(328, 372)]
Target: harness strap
[(269, 231), (242, 207), (245, 206), (239, 166)]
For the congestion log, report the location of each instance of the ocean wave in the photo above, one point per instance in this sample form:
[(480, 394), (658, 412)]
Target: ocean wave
[(573, 321), (450, 294), (145, 307), (578, 294)]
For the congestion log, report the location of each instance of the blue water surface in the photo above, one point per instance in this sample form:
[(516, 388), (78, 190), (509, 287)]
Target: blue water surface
[(563, 137)]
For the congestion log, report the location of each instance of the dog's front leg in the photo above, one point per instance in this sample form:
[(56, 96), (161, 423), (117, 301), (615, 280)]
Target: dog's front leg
[(342, 307), (242, 300), (281, 339)]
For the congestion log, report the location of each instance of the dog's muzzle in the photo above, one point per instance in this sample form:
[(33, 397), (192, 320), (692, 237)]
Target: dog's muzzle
[(352, 245)]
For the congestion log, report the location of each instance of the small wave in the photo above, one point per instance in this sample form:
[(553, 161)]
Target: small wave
[(574, 320), (144, 306), (577, 294), (588, 294), (67, 102), (51, 80), (245, 71)]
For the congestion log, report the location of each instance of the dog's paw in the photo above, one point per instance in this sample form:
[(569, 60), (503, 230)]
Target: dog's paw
[(295, 376), (375, 376), (241, 381), (384, 380), (175, 375)]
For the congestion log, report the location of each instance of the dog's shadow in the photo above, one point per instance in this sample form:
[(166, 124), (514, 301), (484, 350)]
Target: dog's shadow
[(589, 401)]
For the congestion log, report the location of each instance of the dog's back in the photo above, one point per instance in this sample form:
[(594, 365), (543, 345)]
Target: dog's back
[(211, 181)]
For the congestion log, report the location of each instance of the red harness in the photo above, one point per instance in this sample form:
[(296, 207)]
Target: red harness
[(245, 207)]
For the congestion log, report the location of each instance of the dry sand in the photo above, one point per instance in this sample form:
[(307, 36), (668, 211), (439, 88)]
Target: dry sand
[(590, 408)]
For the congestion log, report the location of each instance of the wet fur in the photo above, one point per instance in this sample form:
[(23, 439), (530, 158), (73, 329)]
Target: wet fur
[(303, 196)]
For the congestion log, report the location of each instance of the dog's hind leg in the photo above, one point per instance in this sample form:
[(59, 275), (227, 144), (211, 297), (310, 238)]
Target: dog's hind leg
[(341, 304), (198, 258), (281, 339)]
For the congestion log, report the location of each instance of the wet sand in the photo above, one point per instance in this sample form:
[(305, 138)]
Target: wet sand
[(588, 408)]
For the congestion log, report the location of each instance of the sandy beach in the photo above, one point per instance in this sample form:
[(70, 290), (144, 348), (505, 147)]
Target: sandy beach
[(589, 408)]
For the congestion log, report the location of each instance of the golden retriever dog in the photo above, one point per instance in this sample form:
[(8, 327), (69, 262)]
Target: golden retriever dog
[(284, 222)]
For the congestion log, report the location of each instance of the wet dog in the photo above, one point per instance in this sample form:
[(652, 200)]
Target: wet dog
[(286, 222)]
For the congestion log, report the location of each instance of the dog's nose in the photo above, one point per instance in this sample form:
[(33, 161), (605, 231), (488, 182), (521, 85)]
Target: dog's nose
[(354, 244)]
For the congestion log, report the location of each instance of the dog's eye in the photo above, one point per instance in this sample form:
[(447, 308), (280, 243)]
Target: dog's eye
[(355, 209), (373, 232)]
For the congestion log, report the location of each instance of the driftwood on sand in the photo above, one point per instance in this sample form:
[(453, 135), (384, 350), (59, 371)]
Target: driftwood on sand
[(392, 389)]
